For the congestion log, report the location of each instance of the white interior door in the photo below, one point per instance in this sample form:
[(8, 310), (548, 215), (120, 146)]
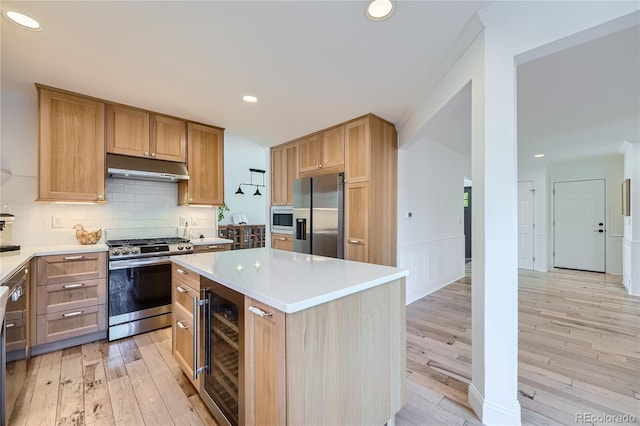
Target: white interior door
[(526, 233), (579, 225)]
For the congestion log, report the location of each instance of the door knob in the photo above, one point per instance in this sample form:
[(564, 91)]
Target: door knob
[(599, 230), (600, 224)]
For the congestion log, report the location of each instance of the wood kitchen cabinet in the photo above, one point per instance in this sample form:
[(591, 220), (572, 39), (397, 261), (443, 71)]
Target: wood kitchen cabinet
[(322, 151), (70, 297), (185, 287), (71, 147), (356, 220), (205, 161), (284, 170), (139, 133), (208, 248), (282, 242)]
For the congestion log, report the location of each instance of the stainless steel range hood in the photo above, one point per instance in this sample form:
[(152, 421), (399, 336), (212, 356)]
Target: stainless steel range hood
[(122, 166)]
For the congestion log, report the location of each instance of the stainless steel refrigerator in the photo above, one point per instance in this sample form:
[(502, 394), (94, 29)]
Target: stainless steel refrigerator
[(318, 219)]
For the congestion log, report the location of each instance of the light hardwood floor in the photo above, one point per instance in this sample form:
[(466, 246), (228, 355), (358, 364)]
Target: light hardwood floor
[(579, 350), (133, 381), (579, 353)]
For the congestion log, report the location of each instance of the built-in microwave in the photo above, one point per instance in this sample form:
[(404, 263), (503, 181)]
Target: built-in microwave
[(282, 219)]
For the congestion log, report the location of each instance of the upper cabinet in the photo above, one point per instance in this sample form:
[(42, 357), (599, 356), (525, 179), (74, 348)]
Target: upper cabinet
[(138, 133), (357, 151), (168, 138), (323, 150), (71, 147), (284, 170), (205, 161)]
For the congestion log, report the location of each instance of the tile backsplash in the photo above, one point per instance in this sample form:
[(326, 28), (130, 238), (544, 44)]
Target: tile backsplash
[(132, 204)]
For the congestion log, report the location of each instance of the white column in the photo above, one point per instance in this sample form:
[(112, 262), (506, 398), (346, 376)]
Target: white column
[(493, 391)]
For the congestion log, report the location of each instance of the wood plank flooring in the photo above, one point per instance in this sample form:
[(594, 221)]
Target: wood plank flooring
[(579, 349), (134, 381)]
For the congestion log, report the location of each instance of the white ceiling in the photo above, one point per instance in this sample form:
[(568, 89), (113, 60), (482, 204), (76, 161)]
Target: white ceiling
[(580, 102), (311, 63)]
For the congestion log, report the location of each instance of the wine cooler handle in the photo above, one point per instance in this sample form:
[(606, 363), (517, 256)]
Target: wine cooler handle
[(196, 332)]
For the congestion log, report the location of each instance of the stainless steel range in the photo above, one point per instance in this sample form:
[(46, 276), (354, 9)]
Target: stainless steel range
[(140, 283)]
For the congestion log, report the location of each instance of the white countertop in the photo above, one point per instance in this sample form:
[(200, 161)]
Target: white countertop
[(210, 240), (11, 261), (4, 295), (288, 281)]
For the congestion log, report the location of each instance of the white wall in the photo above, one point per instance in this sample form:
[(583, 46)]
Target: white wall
[(431, 242), (134, 205), (239, 156), (609, 168)]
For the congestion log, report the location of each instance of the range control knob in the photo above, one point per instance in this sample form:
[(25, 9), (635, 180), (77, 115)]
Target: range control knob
[(180, 246), (125, 250), (135, 250), (115, 252), (188, 246)]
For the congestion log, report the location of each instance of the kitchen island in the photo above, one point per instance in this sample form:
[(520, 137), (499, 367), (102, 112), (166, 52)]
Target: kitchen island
[(320, 340)]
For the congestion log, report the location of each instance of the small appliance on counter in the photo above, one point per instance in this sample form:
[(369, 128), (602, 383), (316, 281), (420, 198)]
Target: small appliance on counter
[(6, 233)]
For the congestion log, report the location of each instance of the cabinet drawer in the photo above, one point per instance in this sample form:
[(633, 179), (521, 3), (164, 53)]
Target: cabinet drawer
[(186, 276), (69, 296), (183, 295), (183, 346), (16, 334), (71, 268), (206, 248), (71, 323)]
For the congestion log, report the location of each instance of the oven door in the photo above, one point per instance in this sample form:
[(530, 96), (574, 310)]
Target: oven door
[(139, 295)]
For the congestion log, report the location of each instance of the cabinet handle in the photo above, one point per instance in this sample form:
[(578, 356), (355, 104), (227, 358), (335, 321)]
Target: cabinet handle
[(181, 289), (181, 271), (73, 258), (153, 154), (146, 153), (10, 325), (283, 239), (73, 285), (72, 314), (212, 247), (26, 271), (259, 311), (100, 197), (354, 242), (181, 325)]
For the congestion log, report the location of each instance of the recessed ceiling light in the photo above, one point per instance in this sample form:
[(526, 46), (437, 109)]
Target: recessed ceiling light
[(538, 156), (379, 10), (250, 99), (23, 20)]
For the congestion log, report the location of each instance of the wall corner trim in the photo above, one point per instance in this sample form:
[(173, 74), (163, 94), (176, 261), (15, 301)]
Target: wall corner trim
[(492, 414)]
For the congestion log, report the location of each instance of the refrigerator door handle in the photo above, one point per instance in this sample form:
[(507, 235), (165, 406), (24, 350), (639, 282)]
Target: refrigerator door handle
[(301, 229)]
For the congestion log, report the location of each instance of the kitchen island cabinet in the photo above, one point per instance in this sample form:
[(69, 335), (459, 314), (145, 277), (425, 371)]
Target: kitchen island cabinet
[(315, 332)]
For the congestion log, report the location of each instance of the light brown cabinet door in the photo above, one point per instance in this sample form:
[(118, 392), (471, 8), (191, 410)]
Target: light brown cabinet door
[(332, 148), (205, 161), (183, 347), (71, 148), (68, 268), (265, 364), (282, 242), (127, 131), (284, 170), (357, 151), (71, 323), (72, 295), (278, 176), (168, 138), (310, 153), (356, 200)]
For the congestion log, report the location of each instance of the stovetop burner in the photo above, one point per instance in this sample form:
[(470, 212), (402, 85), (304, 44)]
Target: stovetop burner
[(147, 247)]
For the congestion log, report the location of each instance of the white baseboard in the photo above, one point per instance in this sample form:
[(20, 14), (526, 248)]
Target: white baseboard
[(491, 414)]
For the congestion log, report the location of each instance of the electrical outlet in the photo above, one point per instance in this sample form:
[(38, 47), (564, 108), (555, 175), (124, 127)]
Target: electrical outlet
[(184, 220), (56, 222), (194, 221)]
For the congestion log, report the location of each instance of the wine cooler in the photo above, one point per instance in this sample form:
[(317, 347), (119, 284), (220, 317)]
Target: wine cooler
[(221, 313)]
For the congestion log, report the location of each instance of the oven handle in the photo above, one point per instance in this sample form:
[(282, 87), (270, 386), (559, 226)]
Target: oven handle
[(133, 263)]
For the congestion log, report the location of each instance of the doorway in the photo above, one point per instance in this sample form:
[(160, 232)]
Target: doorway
[(467, 223), (526, 227), (579, 225)]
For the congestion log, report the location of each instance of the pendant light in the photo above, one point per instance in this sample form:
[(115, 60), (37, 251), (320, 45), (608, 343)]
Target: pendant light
[(258, 186)]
